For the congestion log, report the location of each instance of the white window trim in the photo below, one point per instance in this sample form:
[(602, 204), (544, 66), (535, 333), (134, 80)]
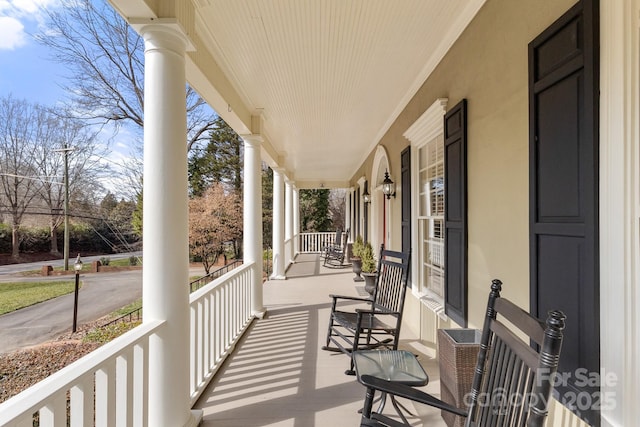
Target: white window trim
[(428, 126)]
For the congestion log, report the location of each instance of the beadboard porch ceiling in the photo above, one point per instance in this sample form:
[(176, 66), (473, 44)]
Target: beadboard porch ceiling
[(328, 77)]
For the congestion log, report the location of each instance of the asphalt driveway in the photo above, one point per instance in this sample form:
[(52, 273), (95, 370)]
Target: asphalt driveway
[(100, 294)]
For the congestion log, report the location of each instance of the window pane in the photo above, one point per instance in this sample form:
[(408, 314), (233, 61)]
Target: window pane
[(431, 212)]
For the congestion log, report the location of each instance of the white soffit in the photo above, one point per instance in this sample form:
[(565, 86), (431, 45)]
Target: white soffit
[(328, 76)]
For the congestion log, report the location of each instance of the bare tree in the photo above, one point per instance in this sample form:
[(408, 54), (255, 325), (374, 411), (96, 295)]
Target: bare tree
[(32, 166), (105, 59), (19, 124), (62, 137), (214, 218), (337, 205)]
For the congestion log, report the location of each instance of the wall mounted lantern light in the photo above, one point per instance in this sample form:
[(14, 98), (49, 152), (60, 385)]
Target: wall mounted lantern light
[(388, 187), (366, 197)]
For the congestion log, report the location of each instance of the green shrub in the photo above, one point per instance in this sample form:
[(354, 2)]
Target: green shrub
[(105, 260), (368, 260), (5, 238), (357, 247), (34, 239), (133, 260)]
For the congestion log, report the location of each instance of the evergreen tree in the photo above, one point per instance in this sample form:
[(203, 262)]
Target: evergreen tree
[(314, 210), (267, 206), (219, 161), (136, 220)]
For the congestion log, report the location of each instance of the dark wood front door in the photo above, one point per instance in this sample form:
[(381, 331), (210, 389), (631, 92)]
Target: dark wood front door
[(563, 94)]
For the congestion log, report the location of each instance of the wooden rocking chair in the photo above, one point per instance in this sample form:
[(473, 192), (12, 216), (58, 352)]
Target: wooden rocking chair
[(334, 244), (378, 325), (335, 254), (512, 382)]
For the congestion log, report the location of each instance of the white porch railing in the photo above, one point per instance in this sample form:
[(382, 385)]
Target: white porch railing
[(314, 242), (119, 371), (220, 313)]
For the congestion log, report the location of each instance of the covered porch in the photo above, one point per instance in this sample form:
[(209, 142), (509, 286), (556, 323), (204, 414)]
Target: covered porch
[(336, 94), (279, 376)]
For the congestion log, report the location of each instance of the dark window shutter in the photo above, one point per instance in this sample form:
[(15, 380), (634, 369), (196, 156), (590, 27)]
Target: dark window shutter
[(455, 213), (564, 194), (405, 175)]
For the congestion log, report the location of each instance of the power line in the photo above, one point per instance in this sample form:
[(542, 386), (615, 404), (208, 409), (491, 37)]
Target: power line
[(34, 178)]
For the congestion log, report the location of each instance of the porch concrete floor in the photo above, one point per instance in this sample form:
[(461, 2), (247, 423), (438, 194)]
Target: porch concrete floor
[(280, 376)]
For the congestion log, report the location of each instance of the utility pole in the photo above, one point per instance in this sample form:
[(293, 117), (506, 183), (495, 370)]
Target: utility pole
[(66, 151)]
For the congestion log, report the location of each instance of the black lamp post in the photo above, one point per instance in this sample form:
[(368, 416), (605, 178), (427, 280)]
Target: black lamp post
[(77, 267)]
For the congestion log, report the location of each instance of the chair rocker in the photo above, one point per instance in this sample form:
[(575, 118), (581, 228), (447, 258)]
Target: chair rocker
[(334, 255), (335, 244), (512, 382), (376, 325)]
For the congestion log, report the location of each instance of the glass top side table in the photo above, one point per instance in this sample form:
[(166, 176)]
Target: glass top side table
[(392, 365)]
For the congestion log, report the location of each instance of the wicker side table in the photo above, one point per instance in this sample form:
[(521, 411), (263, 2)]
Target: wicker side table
[(457, 352)]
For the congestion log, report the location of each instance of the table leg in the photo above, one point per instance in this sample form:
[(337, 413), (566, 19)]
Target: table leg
[(368, 404), (397, 405)]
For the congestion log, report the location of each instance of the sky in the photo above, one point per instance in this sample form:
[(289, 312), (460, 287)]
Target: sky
[(27, 72)]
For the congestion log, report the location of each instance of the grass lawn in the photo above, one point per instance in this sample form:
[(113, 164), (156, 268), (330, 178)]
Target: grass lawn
[(14, 296), (86, 266), (127, 308)]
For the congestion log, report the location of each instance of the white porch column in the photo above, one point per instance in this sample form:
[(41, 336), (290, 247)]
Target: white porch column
[(288, 220), (619, 212), (278, 225), (347, 212), (252, 244), (296, 221), (166, 230)]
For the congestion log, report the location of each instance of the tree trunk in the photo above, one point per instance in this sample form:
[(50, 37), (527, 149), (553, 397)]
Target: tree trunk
[(54, 238), (15, 242)]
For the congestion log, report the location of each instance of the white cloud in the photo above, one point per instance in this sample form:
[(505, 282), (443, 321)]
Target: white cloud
[(12, 33), (18, 15), (32, 6)]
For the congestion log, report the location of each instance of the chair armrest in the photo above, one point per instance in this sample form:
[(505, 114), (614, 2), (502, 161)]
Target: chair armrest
[(410, 393), (377, 312), (335, 297)]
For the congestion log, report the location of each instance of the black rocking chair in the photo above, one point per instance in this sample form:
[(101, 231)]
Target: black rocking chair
[(335, 244), (512, 382), (378, 325), (334, 254)]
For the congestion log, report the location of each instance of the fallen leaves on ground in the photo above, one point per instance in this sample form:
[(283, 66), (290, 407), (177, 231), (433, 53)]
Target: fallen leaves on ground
[(23, 368)]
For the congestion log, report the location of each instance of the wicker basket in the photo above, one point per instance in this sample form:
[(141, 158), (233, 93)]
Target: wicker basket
[(457, 350)]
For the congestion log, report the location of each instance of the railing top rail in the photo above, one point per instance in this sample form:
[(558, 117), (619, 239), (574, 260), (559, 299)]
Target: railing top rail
[(203, 291), (214, 272), (321, 233), (32, 398)]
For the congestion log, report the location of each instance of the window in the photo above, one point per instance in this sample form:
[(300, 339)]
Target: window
[(427, 177), (431, 216)]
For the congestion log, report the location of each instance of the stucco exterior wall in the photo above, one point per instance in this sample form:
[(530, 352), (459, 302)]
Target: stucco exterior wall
[(488, 65)]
